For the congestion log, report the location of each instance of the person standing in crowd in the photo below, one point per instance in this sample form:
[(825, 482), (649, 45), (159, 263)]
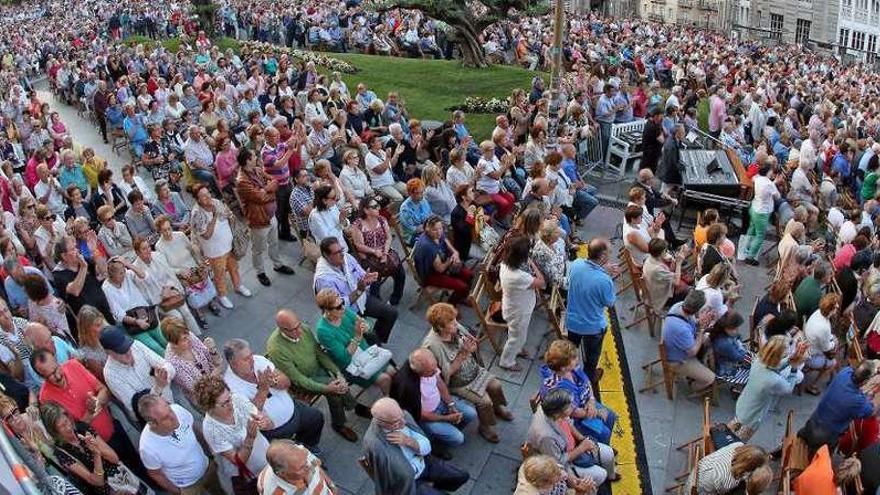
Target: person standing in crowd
[(590, 294), (256, 192), (652, 140), (277, 157), (519, 278), (763, 205)]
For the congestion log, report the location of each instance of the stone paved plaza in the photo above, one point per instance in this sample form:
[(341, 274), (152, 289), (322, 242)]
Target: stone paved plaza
[(664, 423)]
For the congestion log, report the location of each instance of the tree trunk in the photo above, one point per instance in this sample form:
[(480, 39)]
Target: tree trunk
[(471, 51)]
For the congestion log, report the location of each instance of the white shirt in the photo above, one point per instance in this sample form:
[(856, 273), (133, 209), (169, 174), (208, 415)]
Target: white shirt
[(323, 224), (124, 381), (485, 182), (125, 297), (179, 455), (222, 437), (373, 160), (765, 193), (55, 202), (817, 330), (279, 407), (356, 180)]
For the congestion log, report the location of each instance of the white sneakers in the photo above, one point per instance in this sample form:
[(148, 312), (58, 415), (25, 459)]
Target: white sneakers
[(243, 291), (226, 303)]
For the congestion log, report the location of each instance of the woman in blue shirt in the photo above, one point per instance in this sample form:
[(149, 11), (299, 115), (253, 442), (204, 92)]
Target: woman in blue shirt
[(414, 210), (563, 370)]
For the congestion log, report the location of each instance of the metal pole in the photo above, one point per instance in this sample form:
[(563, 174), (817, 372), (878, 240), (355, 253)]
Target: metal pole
[(555, 78), (21, 472)]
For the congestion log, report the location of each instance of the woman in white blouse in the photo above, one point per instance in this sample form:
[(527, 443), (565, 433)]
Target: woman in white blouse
[(379, 164), (159, 278), (326, 218), (460, 171), (817, 331), (635, 236), (314, 108), (231, 429), (210, 223), (353, 177), (438, 193), (123, 295), (181, 256)]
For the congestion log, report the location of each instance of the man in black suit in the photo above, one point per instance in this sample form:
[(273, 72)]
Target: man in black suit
[(652, 140)]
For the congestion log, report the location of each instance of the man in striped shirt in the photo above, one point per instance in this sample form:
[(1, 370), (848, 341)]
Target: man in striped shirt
[(293, 470)]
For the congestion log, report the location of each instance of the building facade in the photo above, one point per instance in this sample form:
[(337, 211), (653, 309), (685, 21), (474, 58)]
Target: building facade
[(858, 29), (718, 15)]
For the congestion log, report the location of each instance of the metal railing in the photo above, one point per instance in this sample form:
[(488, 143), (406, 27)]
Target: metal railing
[(20, 471)]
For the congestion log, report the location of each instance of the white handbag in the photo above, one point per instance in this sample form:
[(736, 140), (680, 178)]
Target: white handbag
[(367, 362)]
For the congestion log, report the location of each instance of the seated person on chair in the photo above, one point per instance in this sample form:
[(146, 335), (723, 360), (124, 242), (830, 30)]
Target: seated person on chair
[(438, 263), (552, 433), (414, 210), (421, 391), (293, 349), (563, 370), (662, 274), (398, 453), (684, 337), (728, 468), (455, 349), (340, 271)]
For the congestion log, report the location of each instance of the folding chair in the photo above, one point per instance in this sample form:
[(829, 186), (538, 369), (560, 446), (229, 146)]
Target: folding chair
[(491, 328), (668, 376), (696, 448), (556, 312), (795, 455), (643, 299)]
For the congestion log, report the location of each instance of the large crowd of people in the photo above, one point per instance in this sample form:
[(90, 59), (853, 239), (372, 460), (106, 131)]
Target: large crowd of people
[(109, 280)]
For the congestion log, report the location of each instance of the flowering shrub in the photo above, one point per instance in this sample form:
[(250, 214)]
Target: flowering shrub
[(479, 104), (319, 59)]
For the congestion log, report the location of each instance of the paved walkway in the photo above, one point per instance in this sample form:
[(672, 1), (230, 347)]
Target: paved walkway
[(664, 423)]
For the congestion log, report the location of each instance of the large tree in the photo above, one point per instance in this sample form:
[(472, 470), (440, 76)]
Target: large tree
[(468, 18)]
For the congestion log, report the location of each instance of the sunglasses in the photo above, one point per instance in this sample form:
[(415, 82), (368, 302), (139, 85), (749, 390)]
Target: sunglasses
[(338, 307), (373, 206)]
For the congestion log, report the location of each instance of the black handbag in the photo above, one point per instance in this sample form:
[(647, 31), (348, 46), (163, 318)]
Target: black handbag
[(148, 313)]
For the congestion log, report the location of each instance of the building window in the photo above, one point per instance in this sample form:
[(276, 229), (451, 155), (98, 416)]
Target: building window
[(802, 31), (858, 40), (872, 48), (776, 23), (843, 41)]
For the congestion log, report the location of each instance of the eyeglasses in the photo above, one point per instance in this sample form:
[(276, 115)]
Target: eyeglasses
[(332, 253), (373, 206), (292, 329), (338, 307)]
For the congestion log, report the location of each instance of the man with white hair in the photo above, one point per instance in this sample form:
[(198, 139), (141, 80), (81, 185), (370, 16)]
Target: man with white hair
[(293, 470), (674, 98), (200, 158), (872, 149), (320, 141), (399, 454)]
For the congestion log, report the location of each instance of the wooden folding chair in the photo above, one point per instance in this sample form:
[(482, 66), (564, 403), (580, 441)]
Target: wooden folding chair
[(643, 299), (668, 376), (556, 312), (525, 450), (626, 269), (480, 292), (365, 464), (754, 338), (696, 449), (795, 455), (855, 355)]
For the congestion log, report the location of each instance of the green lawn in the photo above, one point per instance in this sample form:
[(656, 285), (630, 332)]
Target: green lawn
[(429, 87)]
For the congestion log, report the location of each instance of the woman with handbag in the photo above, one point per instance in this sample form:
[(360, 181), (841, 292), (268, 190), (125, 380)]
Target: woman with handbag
[(161, 286), (342, 333), (181, 256), (93, 465), (130, 307), (232, 431), (371, 236), (211, 223)]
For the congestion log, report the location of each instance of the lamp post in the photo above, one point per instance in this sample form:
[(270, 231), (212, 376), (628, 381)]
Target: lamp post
[(555, 77)]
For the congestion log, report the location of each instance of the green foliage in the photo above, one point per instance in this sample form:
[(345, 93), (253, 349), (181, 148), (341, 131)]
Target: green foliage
[(430, 87), (224, 43), (135, 40)]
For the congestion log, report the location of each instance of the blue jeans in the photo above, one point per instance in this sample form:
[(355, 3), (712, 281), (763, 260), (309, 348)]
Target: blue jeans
[(584, 201), (447, 433)]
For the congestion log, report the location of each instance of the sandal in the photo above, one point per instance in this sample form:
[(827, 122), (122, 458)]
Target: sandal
[(812, 390)]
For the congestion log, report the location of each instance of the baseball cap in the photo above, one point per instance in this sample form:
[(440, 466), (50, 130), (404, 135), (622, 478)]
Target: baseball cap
[(114, 338)]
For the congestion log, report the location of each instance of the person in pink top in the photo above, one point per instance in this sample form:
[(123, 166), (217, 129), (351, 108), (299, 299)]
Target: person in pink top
[(226, 162), (717, 111)]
